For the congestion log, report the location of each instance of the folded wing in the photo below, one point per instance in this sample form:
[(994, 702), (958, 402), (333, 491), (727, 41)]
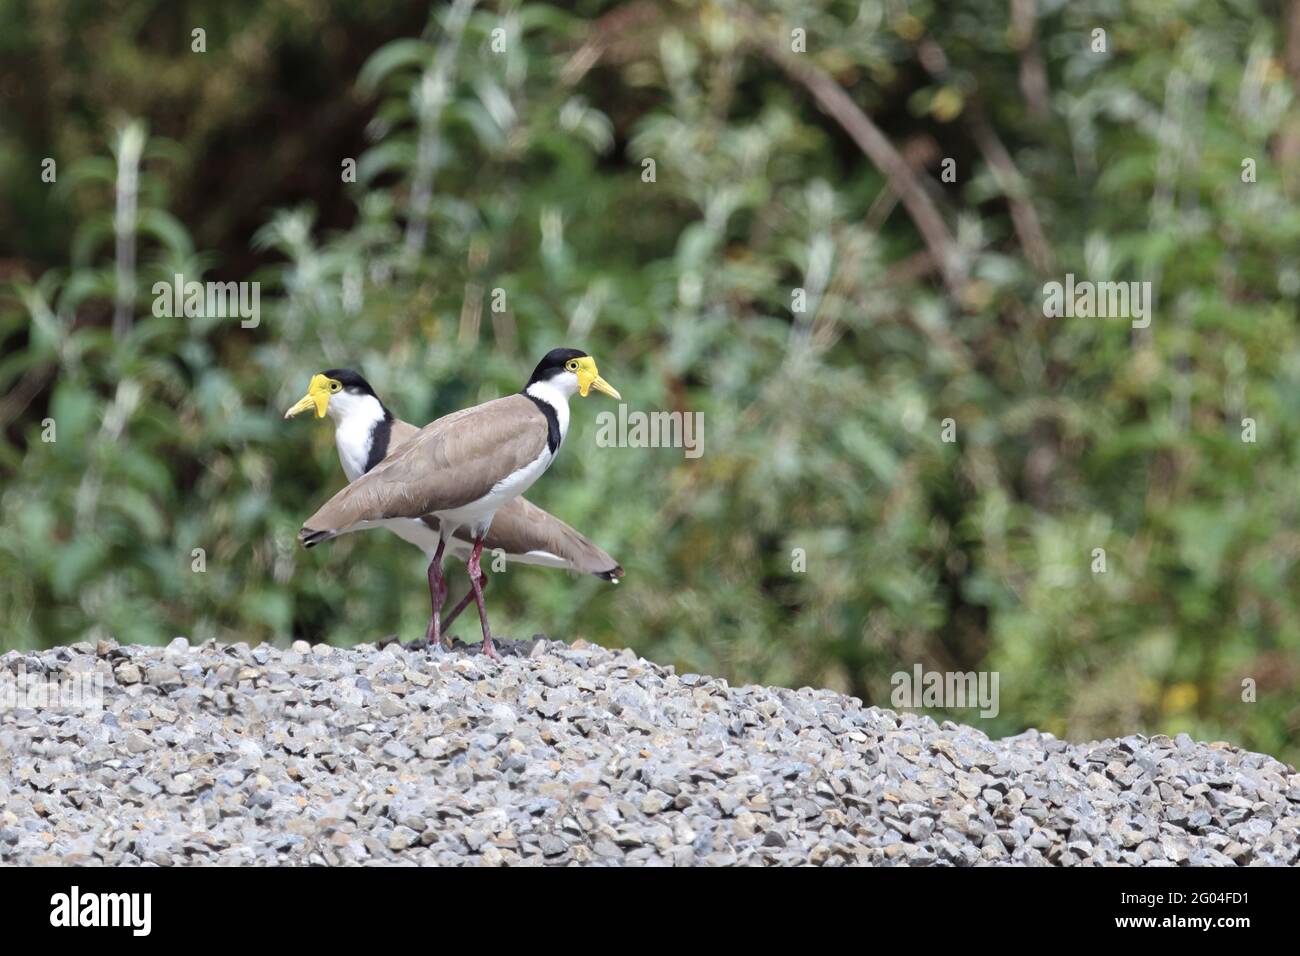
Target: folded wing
[(449, 463), (522, 528)]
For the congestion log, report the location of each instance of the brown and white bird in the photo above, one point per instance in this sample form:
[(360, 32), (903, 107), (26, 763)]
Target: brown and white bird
[(463, 468), (366, 432)]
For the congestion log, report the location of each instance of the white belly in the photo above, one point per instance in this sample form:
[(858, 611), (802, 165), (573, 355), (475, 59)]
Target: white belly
[(477, 514), (416, 532), (408, 529)]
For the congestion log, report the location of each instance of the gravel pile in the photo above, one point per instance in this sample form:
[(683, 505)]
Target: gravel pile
[(565, 755)]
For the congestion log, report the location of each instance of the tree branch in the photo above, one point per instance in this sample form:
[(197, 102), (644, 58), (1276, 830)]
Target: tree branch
[(830, 96), (1024, 218), (1033, 74), (1287, 149)]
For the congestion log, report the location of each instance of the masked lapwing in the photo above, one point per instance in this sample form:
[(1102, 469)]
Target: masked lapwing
[(366, 432), (463, 468)]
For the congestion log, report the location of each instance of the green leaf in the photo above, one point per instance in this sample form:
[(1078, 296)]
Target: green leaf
[(391, 57)]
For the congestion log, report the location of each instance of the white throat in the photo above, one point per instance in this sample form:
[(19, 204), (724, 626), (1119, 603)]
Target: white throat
[(355, 417), (555, 396)]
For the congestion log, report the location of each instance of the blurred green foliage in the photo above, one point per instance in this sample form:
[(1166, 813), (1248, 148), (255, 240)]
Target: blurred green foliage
[(523, 170)]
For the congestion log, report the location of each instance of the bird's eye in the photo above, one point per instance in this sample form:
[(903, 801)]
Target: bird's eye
[(335, 386), (573, 365)]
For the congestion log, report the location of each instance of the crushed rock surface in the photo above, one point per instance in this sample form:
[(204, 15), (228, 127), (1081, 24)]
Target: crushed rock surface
[(565, 755)]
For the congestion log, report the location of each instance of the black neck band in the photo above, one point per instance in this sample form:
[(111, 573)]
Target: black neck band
[(553, 436)]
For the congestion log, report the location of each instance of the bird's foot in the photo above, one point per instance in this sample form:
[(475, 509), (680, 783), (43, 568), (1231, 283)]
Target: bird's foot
[(435, 639)]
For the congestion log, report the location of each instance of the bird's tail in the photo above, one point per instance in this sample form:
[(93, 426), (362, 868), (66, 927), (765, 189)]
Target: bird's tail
[(310, 538)]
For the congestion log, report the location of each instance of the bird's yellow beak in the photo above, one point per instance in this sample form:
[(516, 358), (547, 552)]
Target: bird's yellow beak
[(318, 397), (589, 378)]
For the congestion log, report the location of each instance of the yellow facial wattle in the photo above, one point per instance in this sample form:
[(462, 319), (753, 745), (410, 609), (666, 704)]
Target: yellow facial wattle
[(589, 378), (318, 397)]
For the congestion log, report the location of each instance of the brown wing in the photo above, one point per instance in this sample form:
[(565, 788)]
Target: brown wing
[(399, 434), (520, 527), (451, 462)]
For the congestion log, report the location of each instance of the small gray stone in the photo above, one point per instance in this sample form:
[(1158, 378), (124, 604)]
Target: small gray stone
[(164, 676)]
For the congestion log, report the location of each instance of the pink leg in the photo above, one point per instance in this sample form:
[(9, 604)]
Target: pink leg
[(437, 596), (474, 574), (464, 602)]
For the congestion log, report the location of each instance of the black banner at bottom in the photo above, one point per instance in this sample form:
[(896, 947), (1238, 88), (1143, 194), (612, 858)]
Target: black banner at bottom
[(307, 905)]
